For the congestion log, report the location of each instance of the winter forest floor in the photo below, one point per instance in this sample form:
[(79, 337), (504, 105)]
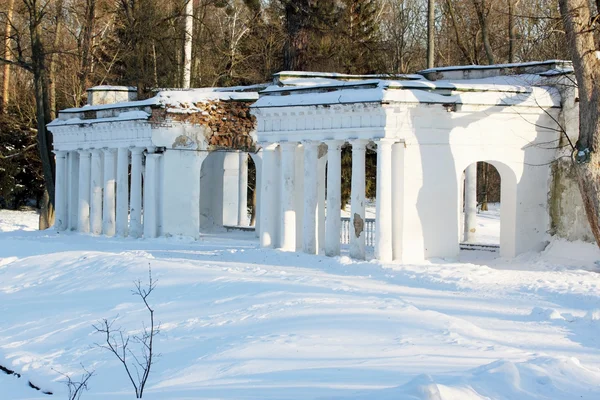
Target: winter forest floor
[(239, 322)]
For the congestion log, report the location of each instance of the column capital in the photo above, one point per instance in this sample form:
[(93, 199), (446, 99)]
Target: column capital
[(60, 153), (109, 151), (96, 152), (268, 145), (311, 143), (386, 141), (84, 152), (151, 149), (137, 150), (154, 155), (288, 146), (359, 144), (334, 144)]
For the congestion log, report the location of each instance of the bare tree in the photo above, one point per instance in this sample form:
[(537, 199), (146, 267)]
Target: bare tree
[(137, 365), (580, 26), (482, 11), (76, 388)]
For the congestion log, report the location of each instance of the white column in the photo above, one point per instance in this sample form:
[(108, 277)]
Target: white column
[(258, 185), (108, 209), (268, 197), (334, 197), (151, 195), (83, 216), (73, 191), (299, 196), (122, 218), (60, 191), (135, 208), (397, 199), (243, 190), (357, 218), (309, 242), (322, 164), (383, 221), (470, 203), (288, 186), (96, 201)]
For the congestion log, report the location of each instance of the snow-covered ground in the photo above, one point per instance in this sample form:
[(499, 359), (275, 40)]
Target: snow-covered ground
[(239, 322)]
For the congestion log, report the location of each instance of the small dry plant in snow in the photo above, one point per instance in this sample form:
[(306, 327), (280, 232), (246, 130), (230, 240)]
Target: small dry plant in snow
[(137, 364), (76, 388)]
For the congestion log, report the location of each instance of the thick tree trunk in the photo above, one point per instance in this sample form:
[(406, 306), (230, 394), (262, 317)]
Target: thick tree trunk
[(46, 219), (7, 55), (512, 31), (481, 10), (86, 47), (296, 14), (430, 33), (42, 113), (576, 16), (459, 41), (53, 59)]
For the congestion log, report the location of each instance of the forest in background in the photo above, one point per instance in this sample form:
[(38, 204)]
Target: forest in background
[(53, 50)]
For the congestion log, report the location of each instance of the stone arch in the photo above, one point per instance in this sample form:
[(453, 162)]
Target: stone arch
[(508, 204)]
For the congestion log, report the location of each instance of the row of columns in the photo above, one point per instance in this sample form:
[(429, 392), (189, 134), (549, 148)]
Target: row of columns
[(93, 192), (279, 188)]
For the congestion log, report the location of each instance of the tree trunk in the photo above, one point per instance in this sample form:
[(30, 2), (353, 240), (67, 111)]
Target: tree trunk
[(296, 15), (46, 219), (481, 10), (53, 59), (7, 55), (576, 15), (430, 33), (44, 137), (253, 205), (512, 31), (86, 47), (187, 44), (459, 41), (485, 175)]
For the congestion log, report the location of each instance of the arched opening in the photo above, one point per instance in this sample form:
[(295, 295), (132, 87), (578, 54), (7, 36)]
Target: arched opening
[(488, 209)]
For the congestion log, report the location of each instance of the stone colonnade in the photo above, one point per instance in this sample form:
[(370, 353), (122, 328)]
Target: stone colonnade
[(293, 197), (94, 193)]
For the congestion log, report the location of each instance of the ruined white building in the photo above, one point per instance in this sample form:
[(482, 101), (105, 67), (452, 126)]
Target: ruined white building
[(429, 130), (142, 167)]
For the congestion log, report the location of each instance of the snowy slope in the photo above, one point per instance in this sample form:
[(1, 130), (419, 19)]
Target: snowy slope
[(239, 322)]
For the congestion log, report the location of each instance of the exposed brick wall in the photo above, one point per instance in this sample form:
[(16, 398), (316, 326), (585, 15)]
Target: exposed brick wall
[(230, 122)]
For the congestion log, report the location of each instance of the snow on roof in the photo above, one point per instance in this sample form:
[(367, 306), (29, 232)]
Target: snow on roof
[(123, 116), (500, 90), (185, 100), (561, 63), (173, 98), (287, 75), (112, 88)]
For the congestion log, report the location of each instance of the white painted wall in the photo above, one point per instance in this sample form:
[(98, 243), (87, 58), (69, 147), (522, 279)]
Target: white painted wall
[(181, 189), (441, 144)]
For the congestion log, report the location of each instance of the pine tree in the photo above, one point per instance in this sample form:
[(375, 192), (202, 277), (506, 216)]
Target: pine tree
[(361, 30)]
